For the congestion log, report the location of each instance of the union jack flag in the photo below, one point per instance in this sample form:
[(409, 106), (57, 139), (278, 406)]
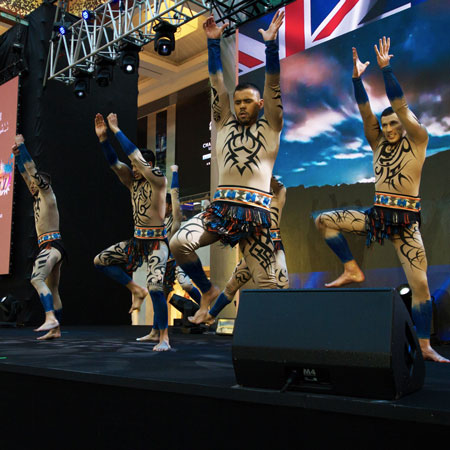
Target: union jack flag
[(311, 22)]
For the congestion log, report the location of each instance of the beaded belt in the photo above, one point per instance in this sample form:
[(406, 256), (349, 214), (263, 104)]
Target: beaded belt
[(48, 237), (275, 234), (150, 232), (244, 196), (397, 201)]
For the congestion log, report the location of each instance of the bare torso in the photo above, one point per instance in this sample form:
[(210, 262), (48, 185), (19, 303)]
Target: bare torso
[(46, 215)]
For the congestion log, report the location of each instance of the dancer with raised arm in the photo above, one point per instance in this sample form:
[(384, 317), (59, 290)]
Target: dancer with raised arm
[(47, 265), (246, 150), (147, 186), (399, 150)]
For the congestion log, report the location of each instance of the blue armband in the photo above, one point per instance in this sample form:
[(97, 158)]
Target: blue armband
[(126, 144), (272, 57), (175, 181), (360, 91), (393, 89), (214, 61), (19, 163), (109, 152), (25, 156)]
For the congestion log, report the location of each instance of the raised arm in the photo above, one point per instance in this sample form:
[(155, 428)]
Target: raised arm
[(27, 167), (122, 171), (273, 108), (415, 130), (372, 129), (175, 197), (150, 173), (220, 100)]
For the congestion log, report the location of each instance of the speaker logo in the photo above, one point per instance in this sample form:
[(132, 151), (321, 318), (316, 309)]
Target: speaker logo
[(310, 375)]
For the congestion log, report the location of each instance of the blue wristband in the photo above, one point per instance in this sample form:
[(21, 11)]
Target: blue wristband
[(175, 181), (109, 152), (25, 156), (272, 57), (393, 89), (19, 163), (127, 145), (360, 92), (214, 61)]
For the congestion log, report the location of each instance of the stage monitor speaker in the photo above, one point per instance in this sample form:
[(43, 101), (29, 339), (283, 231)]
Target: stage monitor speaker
[(353, 342)]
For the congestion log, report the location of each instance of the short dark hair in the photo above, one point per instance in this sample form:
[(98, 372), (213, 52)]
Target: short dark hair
[(148, 155), (387, 112), (242, 86)]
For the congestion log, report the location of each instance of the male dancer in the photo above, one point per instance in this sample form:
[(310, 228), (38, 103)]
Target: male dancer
[(399, 150), (147, 186), (47, 265), (172, 223), (241, 274), (246, 149)]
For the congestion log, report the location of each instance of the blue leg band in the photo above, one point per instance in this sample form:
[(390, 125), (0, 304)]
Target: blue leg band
[(127, 145), (175, 181), (393, 88), (109, 152), (360, 91), (58, 315), (272, 57), (221, 302), (214, 61), (421, 315), (160, 314), (47, 302), (195, 294), (115, 272), (195, 271), (339, 246)]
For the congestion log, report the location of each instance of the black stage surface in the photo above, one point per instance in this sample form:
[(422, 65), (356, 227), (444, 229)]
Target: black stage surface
[(97, 387)]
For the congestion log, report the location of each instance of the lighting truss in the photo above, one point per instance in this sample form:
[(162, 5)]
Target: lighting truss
[(238, 12), (113, 24)]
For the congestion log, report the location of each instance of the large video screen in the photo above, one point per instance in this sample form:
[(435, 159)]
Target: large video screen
[(8, 120)]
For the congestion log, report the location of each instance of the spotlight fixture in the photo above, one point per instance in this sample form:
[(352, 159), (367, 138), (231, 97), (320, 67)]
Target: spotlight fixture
[(164, 38), (87, 14), (62, 27), (104, 70), (405, 293), (129, 57), (82, 82)]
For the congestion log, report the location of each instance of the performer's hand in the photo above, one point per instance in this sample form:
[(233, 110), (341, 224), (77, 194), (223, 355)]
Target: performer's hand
[(358, 67), (100, 127), (15, 150), (19, 139), (271, 33), (113, 122), (383, 56), (174, 168), (213, 31)]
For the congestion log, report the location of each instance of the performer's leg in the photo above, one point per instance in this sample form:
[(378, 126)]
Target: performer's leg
[(155, 284), (186, 283), (108, 261), (240, 276), (281, 272), (411, 253), (183, 244), (53, 284), (46, 260), (331, 224), (259, 254)]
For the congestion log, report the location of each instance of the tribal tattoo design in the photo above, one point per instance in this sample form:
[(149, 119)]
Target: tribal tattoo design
[(261, 248), (215, 105), (391, 162), (411, 247), (37, 208), (156, 270), (274, 217), (345, 219), (242, 146), (141, 200), (40, 262), (114, 255)]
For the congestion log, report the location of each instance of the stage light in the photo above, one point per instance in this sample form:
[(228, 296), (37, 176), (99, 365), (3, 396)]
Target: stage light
[(104, 71), (82, 82), (129, 57), (406, 294), (164, 38), (87, 14)]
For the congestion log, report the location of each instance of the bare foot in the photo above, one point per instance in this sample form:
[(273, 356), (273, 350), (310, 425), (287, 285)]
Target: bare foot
[(152, 336), (202, 317), (52, 334), (163, 346), (137, 299), (352, 274), (49, 324), (429, 353)]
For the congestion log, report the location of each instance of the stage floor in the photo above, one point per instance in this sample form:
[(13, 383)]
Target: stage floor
[(199, 365)]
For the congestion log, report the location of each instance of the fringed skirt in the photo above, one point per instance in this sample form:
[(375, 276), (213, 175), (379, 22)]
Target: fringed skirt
[(382, 223), (138, 251), (276, 239), (233, 221)]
